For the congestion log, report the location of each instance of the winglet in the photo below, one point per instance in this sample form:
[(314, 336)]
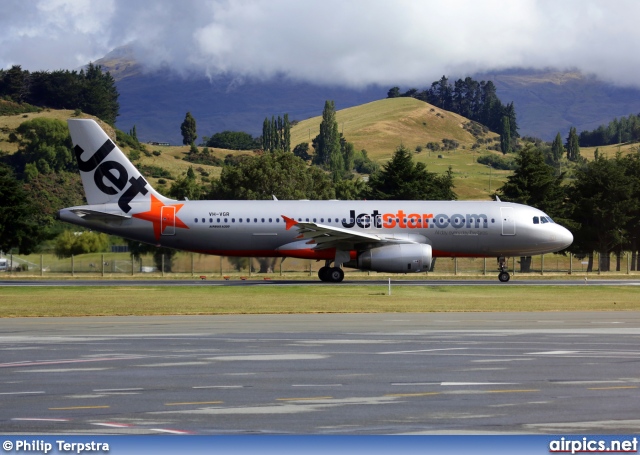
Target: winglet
[(290, 222)]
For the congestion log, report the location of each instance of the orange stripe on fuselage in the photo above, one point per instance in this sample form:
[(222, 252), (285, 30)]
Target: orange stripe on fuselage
[(305, 253)]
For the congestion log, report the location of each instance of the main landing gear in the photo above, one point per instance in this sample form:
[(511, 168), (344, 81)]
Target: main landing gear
[(330, 274), (503, 276)]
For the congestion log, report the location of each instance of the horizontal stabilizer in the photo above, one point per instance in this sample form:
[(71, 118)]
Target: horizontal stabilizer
[(95, 215)]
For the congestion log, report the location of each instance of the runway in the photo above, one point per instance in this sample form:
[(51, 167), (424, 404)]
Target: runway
[(315, 282), (322, 374)]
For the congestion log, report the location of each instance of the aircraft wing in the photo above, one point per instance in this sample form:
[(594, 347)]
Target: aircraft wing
[(324, 236)]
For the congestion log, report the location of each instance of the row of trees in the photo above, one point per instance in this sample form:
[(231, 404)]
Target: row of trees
[(90, 90), (625, 129), (276, 134), (600, 205)]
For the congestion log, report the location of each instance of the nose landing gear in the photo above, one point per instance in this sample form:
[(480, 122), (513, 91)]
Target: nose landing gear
[(503, 276)]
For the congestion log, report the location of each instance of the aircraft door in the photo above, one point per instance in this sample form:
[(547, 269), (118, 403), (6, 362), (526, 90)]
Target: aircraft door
[(508, 221), (168, 220)]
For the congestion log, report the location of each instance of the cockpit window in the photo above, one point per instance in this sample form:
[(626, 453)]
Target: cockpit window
[(544, 219), (536, 220)]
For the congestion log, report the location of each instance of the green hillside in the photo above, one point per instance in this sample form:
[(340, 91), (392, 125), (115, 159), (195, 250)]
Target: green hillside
[(381, 126), (378, 127), (170, 158)]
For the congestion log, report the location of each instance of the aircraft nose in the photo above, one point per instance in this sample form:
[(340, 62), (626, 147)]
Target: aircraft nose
[(564, 238)]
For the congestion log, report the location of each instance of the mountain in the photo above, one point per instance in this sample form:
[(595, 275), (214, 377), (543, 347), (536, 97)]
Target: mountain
[(546, 102), (550, 101), (158, 102)]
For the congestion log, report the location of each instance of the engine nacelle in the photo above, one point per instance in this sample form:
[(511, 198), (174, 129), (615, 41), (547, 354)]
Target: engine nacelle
[(399, 258)]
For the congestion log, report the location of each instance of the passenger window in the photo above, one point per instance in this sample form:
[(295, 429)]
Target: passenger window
[(270, 220), (203, 220), (195, 220), (277, 220), (210, 220), (536, 220), (255, 220), (218, 220), (263, 220)]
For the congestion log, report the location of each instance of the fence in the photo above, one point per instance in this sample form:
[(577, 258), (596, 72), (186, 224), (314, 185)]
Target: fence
[(196, 265)]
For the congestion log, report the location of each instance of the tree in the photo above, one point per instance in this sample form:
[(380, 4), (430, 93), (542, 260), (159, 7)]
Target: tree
[(557, 149), (188, 129), (350, 189), (573, 145), (99, 94), (602, 205), (20, 221), (15, 84), (535, 183), (186, 187), (327, 143), (276, 134), (402, 179), (45, 143), (394, 92), (70, 243), (233, 140), (302, 151), (281, 174), (505, 135)]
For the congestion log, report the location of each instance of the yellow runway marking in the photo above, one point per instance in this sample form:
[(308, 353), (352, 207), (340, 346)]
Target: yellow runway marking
[(193, 402), (78, 407), (419, 394), (614, 387), (303, 399), (512, 391)]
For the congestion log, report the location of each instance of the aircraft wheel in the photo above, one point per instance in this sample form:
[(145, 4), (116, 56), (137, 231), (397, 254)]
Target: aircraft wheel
[(504, 276), (323, 273), (336, 275)]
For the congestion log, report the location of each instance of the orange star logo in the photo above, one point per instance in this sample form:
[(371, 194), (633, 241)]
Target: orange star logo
[(162, 216)]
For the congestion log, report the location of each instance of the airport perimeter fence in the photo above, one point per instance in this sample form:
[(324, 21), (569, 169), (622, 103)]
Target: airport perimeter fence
[(192, 265)]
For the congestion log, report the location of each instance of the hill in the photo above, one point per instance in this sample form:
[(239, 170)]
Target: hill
[(378, 127), (381, 126)]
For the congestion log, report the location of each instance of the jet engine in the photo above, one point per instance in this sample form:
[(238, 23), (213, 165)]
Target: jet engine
[(398, 258)]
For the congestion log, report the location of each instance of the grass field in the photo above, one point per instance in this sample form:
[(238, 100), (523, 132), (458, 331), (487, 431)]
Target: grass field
[(153, 300)]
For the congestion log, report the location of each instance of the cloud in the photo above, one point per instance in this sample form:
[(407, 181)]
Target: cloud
[(354, 43)]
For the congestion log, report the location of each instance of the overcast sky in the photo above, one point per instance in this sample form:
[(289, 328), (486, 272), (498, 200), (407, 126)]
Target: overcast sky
[(347, 42)]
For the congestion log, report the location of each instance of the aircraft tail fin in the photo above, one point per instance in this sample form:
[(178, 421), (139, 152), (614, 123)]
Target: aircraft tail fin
[(107, 174)]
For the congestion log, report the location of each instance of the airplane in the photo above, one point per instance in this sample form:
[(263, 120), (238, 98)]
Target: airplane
[(381, 236)]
